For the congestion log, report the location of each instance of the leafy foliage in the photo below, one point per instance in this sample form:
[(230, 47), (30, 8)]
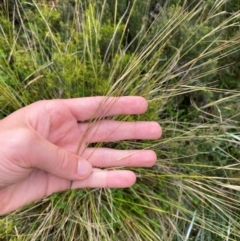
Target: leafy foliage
[(180, 55)]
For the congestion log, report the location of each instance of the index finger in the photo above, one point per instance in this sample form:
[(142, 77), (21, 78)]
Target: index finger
[(102, 106)]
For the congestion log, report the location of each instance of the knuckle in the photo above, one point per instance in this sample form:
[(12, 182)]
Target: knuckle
[(23, 136), (24, 140), (53, 107), (65, 159)]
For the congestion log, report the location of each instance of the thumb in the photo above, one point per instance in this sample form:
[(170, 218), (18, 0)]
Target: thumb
[(59, 162)]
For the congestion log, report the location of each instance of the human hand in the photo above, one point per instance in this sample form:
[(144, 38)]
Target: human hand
[(39, 143)]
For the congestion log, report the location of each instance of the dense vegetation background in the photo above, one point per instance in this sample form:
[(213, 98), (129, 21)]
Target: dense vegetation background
[(183, 57)]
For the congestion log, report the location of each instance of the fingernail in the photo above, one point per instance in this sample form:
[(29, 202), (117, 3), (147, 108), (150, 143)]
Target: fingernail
[(84, 167)]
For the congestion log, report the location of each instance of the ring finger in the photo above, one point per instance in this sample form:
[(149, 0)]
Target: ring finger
[(105, 157)]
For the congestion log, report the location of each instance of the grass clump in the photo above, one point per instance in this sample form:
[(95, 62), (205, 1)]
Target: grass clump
[(183, 58)]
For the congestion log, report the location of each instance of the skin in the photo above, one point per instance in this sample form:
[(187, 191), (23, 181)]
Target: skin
[(39, 143)]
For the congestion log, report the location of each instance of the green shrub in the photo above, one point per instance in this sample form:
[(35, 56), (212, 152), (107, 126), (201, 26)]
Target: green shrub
[(179, 55)]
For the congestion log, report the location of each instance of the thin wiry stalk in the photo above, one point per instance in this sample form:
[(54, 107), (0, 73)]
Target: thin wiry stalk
[(192, 192)]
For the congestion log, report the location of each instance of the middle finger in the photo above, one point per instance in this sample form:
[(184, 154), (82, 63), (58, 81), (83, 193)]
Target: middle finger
[(109, 131)]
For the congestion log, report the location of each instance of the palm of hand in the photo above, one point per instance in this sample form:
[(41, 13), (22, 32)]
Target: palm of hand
[(30, 170)]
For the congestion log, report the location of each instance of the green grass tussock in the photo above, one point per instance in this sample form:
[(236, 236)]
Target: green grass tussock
[(183, 57)]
